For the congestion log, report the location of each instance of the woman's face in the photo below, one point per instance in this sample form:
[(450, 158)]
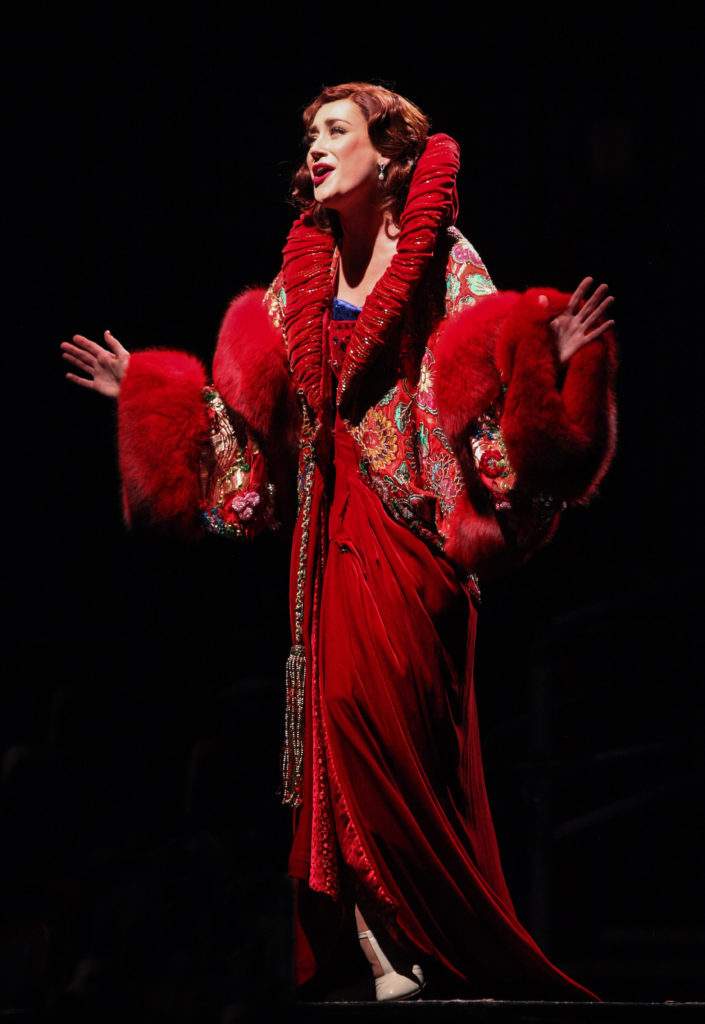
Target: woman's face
[(343, 163)]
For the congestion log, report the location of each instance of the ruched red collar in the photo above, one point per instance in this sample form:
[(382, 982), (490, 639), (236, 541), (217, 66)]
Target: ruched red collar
[(432, 204)]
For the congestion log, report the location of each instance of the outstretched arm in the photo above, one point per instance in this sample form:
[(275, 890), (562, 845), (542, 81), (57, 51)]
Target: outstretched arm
[(105, 367), (577, 326), (195, 454), (526, 383)]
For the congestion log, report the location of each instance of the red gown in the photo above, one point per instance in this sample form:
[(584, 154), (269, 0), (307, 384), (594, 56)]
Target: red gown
[(393, 811), (398, 821)]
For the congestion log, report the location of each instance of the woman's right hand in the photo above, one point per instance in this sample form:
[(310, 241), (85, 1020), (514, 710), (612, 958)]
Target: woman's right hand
[(105, 366)]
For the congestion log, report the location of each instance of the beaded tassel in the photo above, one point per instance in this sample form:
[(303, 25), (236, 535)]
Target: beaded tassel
[(293, 751), (292, 759)]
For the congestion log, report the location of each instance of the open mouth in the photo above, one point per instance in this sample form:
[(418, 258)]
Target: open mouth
[(319, 173)]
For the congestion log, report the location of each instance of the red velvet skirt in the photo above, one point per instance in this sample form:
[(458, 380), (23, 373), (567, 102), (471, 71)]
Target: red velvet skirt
[(396, 749)]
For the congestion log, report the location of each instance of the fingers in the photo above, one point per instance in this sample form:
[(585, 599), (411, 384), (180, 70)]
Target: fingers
[(589, 310), (594, 301), (78, 357), (577, 296), (599, 331), (87, 344), (595, 314), (114, 344), (80, 363), (87, 354), (84, 382)]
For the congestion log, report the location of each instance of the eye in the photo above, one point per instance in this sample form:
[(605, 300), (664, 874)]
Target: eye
[(338, 129)]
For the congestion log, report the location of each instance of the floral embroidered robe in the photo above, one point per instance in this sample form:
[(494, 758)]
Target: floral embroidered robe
[(462, 449)]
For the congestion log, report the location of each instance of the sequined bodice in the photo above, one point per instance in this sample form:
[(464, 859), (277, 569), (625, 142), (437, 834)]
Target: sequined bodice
[(342, 323)]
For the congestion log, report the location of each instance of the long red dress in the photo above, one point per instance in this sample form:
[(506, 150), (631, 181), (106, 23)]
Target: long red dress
[(399, 818), (408, 493)]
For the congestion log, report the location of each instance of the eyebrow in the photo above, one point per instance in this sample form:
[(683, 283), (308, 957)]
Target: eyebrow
[(328, 122)]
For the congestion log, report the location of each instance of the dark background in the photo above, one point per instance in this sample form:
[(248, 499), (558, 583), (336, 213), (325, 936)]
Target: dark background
[(143, 847)]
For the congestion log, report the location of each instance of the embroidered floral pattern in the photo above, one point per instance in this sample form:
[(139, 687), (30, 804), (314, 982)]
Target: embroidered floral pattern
[(444, 477), (236, 498), (243, 505), (464, 252), (275, 301), (452, 287), (491, 459), (415, 509), (466, 275), (424, 395), (480, 284), (377, 439), (404, 455)]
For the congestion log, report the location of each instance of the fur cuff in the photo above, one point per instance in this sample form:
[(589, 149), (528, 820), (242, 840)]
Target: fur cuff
[(474, 540), (251, 372), (560, 440), (467, 376), (162, 427)]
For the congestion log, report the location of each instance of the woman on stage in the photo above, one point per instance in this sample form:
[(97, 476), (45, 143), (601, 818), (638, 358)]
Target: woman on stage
[(420, 429)]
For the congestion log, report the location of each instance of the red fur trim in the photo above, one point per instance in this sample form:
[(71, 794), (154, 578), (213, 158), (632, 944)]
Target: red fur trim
[(475, 541), (467, 379), (491, 543), (251, 371), (559, 441), (509, 334), (162, 427)]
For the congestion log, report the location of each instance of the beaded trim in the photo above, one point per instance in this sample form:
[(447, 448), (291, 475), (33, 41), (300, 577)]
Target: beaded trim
[(431, 203), (306, 274), (292, 758)]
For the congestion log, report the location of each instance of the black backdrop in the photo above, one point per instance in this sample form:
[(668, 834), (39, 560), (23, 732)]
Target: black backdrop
[(149, 155)]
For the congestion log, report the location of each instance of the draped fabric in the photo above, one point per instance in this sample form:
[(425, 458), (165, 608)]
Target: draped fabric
[(396, 818)]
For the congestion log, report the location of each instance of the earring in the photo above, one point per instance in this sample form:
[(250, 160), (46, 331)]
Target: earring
[(382, 169)]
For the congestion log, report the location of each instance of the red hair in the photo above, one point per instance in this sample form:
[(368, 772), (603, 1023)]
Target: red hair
[(397, 129)]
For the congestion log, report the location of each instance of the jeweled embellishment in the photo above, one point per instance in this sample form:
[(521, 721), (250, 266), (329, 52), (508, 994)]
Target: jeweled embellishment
[(243, 505), (377, 439), (491, 459)]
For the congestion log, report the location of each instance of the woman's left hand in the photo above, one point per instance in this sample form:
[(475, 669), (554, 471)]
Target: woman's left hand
[(577, 326)]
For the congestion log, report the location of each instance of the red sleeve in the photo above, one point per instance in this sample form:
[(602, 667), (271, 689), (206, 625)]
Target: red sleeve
[(162, 428), (559, 434)]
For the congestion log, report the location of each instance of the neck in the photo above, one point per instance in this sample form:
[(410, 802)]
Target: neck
[(365, 253)]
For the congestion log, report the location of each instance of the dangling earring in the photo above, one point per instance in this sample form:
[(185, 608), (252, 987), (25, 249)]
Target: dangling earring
[(382, 169)]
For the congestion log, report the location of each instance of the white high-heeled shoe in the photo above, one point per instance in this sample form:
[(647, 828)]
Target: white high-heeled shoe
[(391, 984)]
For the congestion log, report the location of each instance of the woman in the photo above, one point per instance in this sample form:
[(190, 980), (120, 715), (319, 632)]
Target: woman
[(428, 430)]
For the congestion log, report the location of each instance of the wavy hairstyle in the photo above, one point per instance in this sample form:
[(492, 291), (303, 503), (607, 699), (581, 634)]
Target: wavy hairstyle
[(397, 129)]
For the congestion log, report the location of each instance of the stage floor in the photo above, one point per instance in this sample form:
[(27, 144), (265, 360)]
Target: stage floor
[(496, 1012)]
